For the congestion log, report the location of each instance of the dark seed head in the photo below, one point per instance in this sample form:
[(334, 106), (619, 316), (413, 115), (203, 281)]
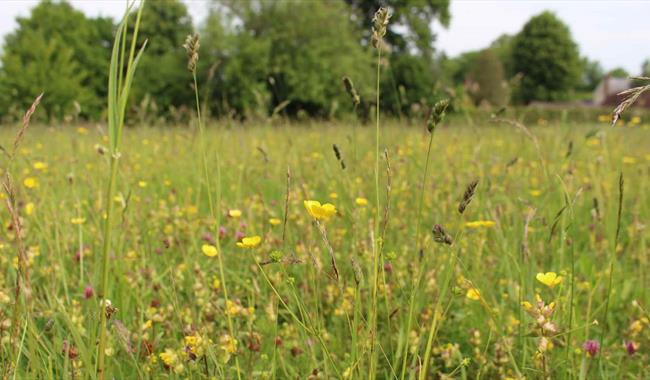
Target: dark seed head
[(470, 190), (440, 235)]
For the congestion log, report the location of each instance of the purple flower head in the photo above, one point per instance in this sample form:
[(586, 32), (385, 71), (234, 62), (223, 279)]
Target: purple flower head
[(222, 232), (631, 347), (207, 237), (591, 347), (239, 235), (88, 292)]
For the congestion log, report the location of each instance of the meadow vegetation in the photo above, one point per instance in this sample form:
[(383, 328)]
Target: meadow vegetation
[(291, 316), (323, 250)]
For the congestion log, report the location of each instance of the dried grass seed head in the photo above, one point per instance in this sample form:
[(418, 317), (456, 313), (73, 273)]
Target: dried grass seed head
[(191, 46), (379, 24)]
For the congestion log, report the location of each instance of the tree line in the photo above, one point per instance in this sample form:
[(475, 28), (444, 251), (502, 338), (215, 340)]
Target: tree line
[(260, 58)]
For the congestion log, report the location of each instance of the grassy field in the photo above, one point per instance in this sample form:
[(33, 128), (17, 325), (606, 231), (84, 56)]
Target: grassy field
[(193, 297)]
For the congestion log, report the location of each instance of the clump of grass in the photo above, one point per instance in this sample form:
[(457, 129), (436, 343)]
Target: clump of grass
[(120, 80), (23, 291), (436, 116)]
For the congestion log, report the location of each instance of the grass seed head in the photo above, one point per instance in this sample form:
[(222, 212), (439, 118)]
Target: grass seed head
[(191, 46), (470, 190), (440, 235), (339, 155), (379, 24), (349, 87), (437, 114)]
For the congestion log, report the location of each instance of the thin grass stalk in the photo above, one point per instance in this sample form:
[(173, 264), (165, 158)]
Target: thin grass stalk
[(416, 280), (433, 329), (22, 290), (621, 187), (375, 244), (214, 209), (117, 101), (307, 325)]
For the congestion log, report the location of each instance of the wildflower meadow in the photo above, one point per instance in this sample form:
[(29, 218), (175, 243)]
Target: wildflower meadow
[(322, 249)]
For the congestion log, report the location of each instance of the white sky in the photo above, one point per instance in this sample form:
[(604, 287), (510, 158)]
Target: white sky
[(614, 32)]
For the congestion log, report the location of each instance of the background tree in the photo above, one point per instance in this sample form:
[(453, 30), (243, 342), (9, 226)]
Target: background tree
[(502, 49), (410, 27), (487, 80), (618, 72), (592, 74), (292, 54), (546, 55), (408, 86), (161, 74), (60, 51), (412, 72)]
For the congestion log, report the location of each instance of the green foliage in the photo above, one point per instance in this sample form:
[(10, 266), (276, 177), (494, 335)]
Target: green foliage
[(411, 74), (546, 55), (456, 69), (487, 80), (502, 48), (290, 53), (409, 29), (618, 72), (163, 285), (408, 85), (592, 74), (60, 51), (258, 58), (165, 24)]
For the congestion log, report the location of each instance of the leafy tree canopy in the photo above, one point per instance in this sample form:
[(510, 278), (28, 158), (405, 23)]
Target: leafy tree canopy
[(58, 50), (547, 56)]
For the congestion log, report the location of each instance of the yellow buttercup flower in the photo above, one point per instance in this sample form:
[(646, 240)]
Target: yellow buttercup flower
[(29, 208), (629, 160), (234, 213), (361, 202), (318, 211), (249, 242), (30, 182), (550, 279), (142, 184), (209, 250), (473, 294), (38, 165), (274, 221), (604, 118), (78, 221), (480, 223)]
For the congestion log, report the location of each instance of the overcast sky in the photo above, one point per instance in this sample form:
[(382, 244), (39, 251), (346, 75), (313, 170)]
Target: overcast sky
[(614, 32)]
